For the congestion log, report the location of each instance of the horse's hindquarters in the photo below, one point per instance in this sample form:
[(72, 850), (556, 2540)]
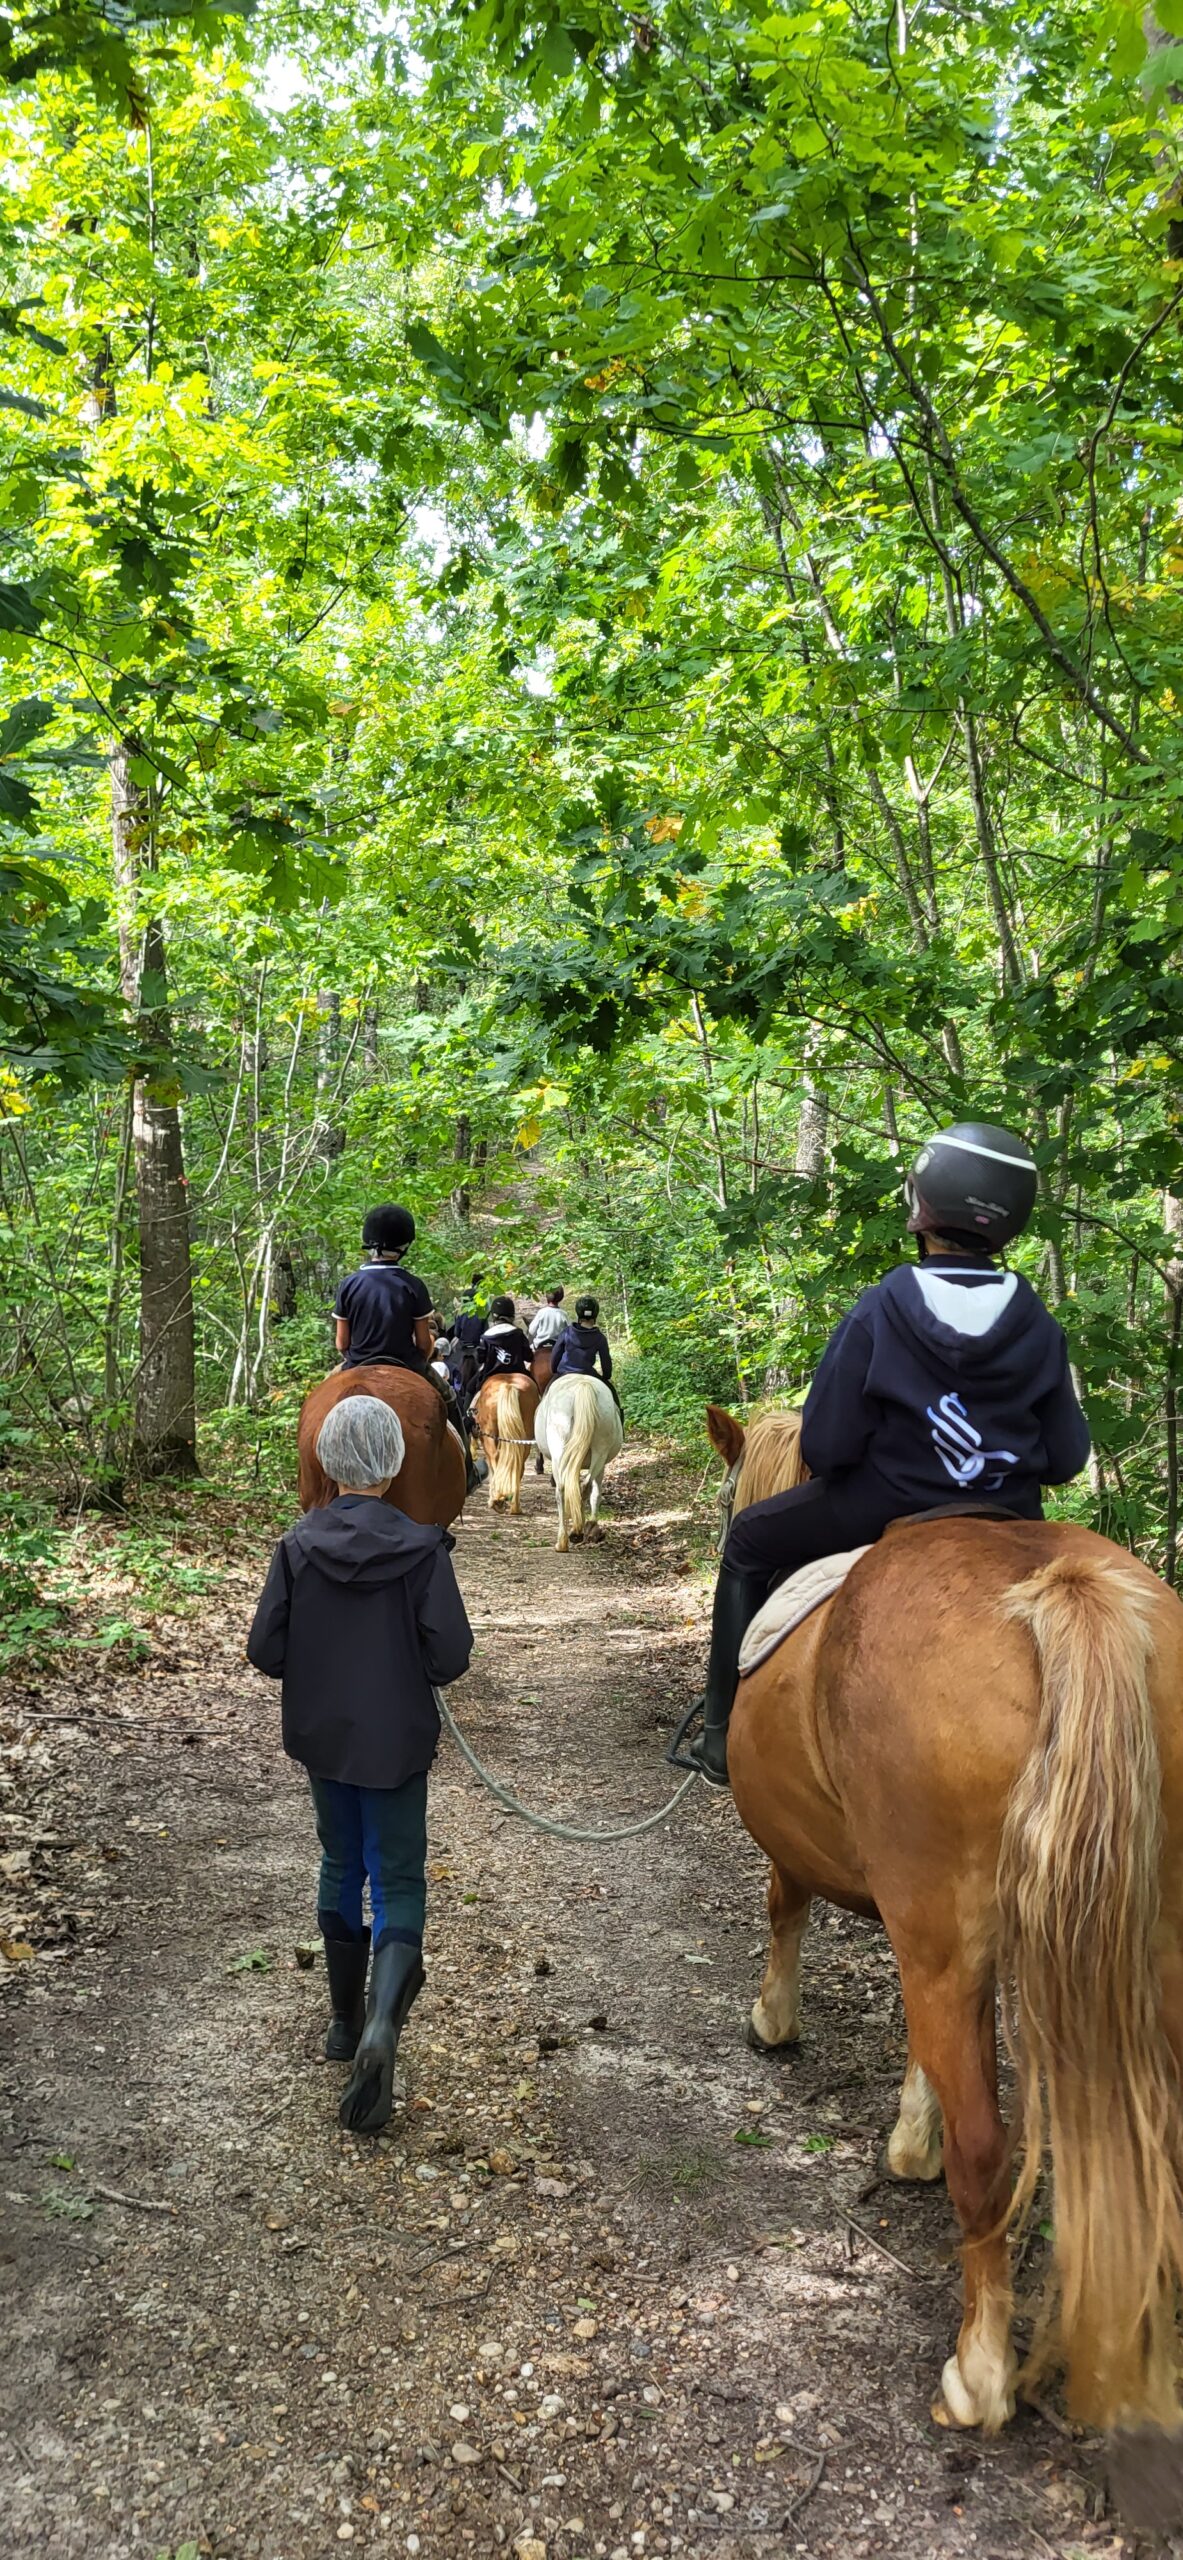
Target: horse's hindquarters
[(431, 1481), (504, 1413)]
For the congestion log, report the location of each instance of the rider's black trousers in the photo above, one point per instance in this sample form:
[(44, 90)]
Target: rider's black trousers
[(771, 1539)]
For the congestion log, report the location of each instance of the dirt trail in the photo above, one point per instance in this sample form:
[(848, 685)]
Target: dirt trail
[(601, 2291)]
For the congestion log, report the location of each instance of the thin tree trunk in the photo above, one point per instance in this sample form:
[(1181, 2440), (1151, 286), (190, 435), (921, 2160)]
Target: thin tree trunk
[(330, 1134), (704, 1051), (165, 1438), (282, 1299), (110, 1465), (813, 1123), (462, 1151)]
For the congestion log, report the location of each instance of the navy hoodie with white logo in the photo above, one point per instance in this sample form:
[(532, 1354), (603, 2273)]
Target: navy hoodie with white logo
[(947, 1381)]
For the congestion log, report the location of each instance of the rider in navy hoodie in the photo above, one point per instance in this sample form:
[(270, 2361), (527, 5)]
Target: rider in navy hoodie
[(947, 1385)]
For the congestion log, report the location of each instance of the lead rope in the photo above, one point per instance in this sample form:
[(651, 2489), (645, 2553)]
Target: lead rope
[(542, 1821)]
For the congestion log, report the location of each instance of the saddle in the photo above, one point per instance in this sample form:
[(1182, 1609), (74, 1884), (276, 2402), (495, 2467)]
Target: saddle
[(804, 1591)]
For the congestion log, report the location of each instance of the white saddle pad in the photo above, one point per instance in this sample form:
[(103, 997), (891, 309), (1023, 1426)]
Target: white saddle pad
[(791, 1602)]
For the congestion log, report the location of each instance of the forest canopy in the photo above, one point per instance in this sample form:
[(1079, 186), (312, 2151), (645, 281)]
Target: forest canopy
[(591, 635)]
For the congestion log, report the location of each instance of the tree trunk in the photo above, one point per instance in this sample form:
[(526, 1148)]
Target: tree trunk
[(330, 1136), (813, 1124), (110, 1484), (462, 1151), (282, 1285), (165, 1439)]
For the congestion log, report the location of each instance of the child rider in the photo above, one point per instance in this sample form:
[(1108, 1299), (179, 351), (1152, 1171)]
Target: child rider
[(946, 1385)]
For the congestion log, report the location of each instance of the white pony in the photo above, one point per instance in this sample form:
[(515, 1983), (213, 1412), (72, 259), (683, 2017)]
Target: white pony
[(579, 1429)]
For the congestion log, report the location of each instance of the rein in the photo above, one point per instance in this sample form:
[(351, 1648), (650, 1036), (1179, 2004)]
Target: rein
[(544, 1821)]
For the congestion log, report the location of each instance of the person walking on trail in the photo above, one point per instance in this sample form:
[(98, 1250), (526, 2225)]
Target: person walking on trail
[(548, 1321), (947, 1385), (582, 1349), (361, 1618), (383, 1314), (504, 1351)]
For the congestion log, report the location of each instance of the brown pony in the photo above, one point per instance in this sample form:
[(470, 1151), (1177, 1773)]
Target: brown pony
[(430, 1483), (979, 1740), (542, 1369), (504, 1414)]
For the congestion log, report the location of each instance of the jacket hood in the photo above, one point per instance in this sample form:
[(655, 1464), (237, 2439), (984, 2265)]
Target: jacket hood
[(966, 1313), (358, 1538)]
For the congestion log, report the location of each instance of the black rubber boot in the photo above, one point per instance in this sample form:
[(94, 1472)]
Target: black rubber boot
[(346, 1960), (396, 1979), (737, 1598)]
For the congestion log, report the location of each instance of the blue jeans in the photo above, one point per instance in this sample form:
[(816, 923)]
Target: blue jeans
[(379, 1833)]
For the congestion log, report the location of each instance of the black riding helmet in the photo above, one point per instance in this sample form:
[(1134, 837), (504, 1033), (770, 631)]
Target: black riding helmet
[(974, 1183), (586, 1310), (502, 1310), (388, 1230)]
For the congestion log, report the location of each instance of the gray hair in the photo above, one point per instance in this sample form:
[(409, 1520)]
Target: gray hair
[(361, 1441)]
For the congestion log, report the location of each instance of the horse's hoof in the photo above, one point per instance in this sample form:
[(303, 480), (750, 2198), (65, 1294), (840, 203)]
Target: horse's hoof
[(990, 2404), (772, 2052)]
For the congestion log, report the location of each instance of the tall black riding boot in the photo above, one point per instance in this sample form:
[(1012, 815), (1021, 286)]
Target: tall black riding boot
[(737, 1598), (460, 1425), (346, 1959), (396, 1979)]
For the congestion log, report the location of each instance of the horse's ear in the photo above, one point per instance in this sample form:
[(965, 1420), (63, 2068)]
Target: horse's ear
[(724, 1433)]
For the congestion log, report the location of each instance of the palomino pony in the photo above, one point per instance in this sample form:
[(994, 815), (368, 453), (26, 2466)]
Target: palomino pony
[(504, 1414), (979, 1739), (429, 1486), (579, 1429)]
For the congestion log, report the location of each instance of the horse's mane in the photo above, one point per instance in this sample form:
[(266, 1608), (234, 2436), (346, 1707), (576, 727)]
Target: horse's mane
[(772, 1460)]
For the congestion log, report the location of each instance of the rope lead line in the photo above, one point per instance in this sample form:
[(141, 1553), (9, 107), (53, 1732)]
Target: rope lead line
[(542, 1821)]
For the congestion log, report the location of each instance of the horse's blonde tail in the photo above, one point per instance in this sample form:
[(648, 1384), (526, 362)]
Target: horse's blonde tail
[(508, 1458), (574, 1454), (1078, 1887)]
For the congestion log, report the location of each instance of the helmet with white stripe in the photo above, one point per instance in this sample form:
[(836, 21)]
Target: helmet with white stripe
[(973, 1183)]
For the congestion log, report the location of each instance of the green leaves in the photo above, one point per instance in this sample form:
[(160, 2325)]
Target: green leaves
[(18, 611)]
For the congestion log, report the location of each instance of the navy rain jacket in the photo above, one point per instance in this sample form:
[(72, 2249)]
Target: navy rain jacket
[(577, 1351), (361, 1617), (947, 1380)]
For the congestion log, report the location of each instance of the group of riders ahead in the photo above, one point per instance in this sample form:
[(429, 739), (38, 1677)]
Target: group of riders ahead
[(946, 1387), (948, 1384), (384, 1313)]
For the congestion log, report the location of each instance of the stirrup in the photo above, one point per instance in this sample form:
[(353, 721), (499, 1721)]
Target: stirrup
[(677, 1756)]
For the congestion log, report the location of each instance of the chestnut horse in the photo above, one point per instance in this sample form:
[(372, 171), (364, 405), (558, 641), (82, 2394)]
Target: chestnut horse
[(542, 1369), (979, 1740), (504, 1413), (430, 1483)]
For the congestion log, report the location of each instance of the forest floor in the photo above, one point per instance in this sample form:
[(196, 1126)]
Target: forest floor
[(611, 2285)]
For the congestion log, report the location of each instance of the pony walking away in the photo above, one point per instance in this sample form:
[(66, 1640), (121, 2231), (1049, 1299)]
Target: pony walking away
[(504, 1414), (979, 1740), (580, 1431), (430, 1484)]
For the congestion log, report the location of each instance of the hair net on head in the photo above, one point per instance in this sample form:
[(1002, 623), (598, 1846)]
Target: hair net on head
[(361, 1441)]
